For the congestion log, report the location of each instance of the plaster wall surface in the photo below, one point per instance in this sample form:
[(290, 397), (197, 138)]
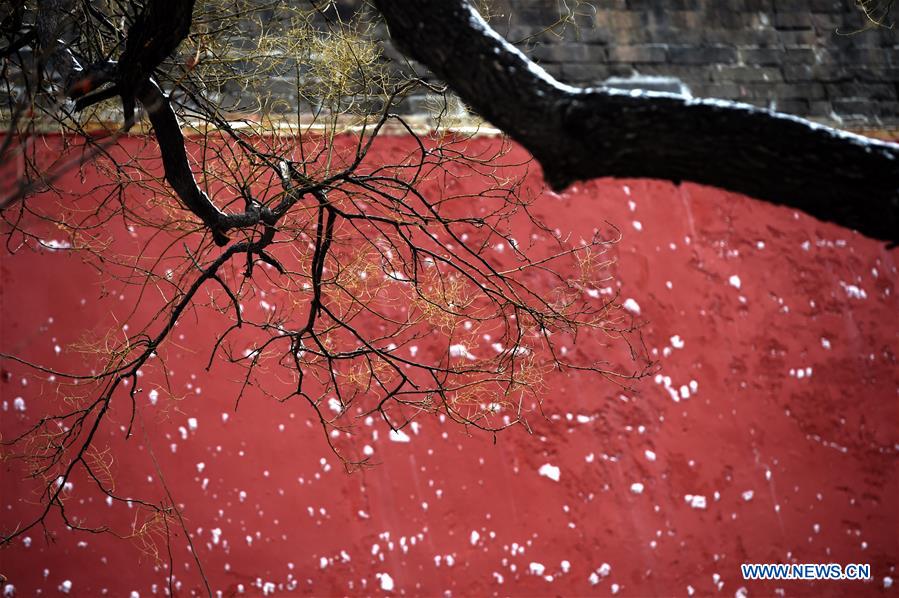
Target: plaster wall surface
[(770, 433)]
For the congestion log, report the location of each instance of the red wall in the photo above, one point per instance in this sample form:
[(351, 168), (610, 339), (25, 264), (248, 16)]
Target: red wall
[(790, 434)]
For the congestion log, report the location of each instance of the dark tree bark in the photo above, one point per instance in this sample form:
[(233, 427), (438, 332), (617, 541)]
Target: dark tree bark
[(155, 34), (158, 29), (579, 134)]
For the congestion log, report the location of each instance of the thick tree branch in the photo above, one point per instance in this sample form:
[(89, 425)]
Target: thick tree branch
[(159, 28), (585, 133), (155, 34), (175, 162)]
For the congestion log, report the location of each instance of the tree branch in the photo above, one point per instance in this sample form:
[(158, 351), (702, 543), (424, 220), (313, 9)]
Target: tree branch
[(175, 162), (584, 133)]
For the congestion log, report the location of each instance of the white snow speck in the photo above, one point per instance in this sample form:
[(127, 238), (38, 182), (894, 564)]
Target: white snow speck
[(825, 343), (18, 404), (637, 225), (460, 351), (153, 396), (637, 488), (550, 471), (65, 587), (601, 572), (632, 306), (399, 436), (475, 536), (386, 582), (536, 568), (650, 455), (696, 501), (677, 342), (853, 292), (734, 281), (747, 496), (192, 424), (54, 245), (887, 582)]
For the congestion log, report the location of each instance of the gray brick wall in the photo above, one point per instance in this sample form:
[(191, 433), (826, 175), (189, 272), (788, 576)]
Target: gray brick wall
[(804, 57), (798, 56)]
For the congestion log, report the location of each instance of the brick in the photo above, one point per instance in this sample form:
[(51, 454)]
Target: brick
[(755, 37), (799, 107), (826, 6), (569, 52), (638, 54), (825, 22), (867, 56), (870, 91), (702, 55), (743, 74), (595, 34), (819, 108), (793, 20), (726, 91), (762, 56), (793, 39), (685, 20), (691, 75), (621, 20), (846, 107), (806, 91), (887, 74), (586, 73), (798, 56)]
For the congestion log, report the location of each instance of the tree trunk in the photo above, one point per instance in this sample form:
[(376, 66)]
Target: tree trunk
[(579, 134)]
